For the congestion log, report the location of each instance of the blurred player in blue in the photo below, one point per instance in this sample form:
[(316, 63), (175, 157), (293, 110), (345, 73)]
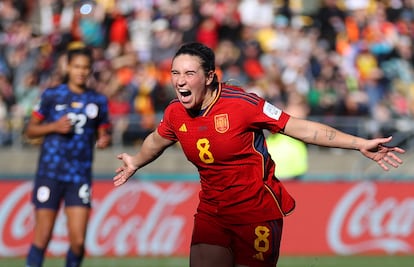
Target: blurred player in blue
[(73, 120)]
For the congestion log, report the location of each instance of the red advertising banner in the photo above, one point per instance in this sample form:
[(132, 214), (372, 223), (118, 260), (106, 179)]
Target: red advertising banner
[(139, 218), (155, 218), (350, 218)]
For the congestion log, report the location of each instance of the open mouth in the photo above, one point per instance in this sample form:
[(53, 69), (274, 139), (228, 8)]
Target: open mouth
[(184, 93)]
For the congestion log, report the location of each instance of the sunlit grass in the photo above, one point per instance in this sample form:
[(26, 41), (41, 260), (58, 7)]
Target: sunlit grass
[(285, 261)]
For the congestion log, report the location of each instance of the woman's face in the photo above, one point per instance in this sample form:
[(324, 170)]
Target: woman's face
[(189, 81), (78, 70)]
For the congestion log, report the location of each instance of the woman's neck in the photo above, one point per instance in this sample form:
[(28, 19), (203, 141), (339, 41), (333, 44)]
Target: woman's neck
[(76, 88), (210, 96)]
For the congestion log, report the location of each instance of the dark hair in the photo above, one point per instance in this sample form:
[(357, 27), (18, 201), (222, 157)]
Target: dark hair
[(206, 55), (208, 60), (82, 51)]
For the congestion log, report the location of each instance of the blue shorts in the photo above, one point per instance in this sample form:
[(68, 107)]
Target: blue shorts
[(49, 193)]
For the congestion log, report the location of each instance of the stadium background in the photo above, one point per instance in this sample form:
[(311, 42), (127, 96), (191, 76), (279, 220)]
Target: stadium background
[(358, 79)]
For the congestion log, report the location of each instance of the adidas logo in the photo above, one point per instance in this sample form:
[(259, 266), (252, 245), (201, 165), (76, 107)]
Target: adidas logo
[(183, 128)]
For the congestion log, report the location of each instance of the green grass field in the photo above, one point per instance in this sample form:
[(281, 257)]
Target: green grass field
[(311, 261)]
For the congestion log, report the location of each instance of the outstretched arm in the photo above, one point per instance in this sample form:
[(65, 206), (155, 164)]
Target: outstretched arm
[(151, 148), (323, 135)]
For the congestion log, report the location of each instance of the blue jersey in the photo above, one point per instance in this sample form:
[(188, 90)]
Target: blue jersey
[(68, 157)]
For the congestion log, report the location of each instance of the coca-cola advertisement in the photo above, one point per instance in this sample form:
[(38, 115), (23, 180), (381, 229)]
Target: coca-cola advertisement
[(145, 218), (351, 218), (139, 218)]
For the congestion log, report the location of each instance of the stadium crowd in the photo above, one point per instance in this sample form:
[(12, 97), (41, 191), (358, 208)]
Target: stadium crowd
[(349, 58)]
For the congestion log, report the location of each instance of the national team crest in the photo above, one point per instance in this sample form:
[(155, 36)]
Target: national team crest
[(92, 110), (221, 123)]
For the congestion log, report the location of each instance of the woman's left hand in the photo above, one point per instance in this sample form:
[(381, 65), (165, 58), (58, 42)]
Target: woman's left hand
[(103, 141), (385, 156)]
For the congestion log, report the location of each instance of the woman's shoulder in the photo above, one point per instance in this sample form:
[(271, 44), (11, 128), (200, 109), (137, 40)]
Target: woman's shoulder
[(173, 104), (55, 90), (96, 94), (238, 94)]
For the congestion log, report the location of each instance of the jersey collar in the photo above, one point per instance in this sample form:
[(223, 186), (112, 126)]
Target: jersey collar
[(207, 110)]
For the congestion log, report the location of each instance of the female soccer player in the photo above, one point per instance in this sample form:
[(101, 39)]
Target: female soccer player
[(220, 128), (72, 119)]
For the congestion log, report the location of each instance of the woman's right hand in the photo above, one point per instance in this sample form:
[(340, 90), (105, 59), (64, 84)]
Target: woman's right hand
[(63, 125), (124, 172)]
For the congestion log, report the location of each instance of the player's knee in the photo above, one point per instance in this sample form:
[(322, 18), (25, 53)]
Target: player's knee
[(42, 239), (77, 244)]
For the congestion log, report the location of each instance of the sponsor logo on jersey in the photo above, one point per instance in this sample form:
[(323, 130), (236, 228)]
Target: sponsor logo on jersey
[(271, 111), (76, 105), (203, 128), (183, 128), (60, 107), (221, 123)]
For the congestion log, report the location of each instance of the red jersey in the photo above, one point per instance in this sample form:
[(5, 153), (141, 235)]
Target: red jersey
[(227, 145)]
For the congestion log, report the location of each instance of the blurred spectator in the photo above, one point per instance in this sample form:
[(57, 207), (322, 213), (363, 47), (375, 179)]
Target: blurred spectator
[(6, 92), (331, 19), (256, 13), (250, 60), (118, 30), (322, 98), (27, 94), (90, 17), (350, 58), (8, 13), (140, 33), (7, 101), (228, 18), (165, 41), (187, 21), (207, 32), (5, 131), (146, 98)]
